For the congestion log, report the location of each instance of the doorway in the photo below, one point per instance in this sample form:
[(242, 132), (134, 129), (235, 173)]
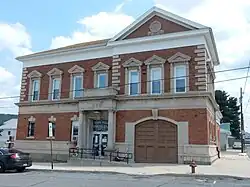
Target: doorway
[(100, 136)]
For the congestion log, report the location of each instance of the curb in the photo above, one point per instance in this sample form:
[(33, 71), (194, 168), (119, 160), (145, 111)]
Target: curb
[(218, 177)]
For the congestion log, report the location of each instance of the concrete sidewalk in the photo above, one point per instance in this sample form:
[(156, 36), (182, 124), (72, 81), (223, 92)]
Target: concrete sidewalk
[(231, 165)]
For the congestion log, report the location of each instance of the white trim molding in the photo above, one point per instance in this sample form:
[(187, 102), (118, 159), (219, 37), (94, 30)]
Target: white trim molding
[(54, 73), (179, 57), (76, 69), (34, 76), (31, 119)]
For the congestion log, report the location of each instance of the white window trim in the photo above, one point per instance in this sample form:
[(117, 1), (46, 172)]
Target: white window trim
[(98, 80), (129, 79), (30, 124), (34, 75), (32, 89), (53, 79), (151, 81), (74, 87), (176, 78)]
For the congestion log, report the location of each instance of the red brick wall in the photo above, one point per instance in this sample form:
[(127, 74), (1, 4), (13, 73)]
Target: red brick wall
[(197, 118), (88, 76), (143, 56), (63, 126), (167, 26)]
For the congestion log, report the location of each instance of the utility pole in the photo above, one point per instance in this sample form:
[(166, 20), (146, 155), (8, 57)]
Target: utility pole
[(242, 123)]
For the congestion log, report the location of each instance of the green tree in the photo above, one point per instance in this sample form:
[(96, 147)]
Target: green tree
[(230, 111)]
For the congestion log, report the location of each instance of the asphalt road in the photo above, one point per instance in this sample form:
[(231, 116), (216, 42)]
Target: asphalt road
[(54, 179)]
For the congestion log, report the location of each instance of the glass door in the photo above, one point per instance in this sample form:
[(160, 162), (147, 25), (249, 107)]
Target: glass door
[(100, 143)]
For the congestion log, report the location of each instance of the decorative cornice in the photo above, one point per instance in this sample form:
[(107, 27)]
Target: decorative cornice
[(132, 62), (51, 119), (100, 66), (75, 118), (76, 69), (34, 74), (31, 119), (154, 60), (179, 57), (55, 71)]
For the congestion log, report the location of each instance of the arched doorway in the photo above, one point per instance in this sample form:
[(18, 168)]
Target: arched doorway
[(156, 142)]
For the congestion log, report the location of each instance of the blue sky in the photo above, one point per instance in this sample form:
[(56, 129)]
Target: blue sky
[(28, 26)]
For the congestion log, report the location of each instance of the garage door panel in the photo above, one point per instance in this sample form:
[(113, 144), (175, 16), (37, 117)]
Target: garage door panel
[(157, 139)]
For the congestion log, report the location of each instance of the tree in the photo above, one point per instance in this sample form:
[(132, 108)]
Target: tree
[(230, 111)]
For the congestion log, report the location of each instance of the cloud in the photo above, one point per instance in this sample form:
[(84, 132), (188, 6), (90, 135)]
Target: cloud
[(100, 26), (14, 41), (15, 38)]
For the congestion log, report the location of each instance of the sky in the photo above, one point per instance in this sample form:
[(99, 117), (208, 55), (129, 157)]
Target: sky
[(29, 26)]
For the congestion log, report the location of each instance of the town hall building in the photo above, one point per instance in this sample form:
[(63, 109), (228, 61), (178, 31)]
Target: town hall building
[(149, 91)]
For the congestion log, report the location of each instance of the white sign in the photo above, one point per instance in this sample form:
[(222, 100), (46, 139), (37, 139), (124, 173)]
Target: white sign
[(50, 130)]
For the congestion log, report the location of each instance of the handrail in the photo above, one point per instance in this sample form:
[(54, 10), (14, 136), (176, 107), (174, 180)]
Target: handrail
[(76, 152), (119, 156)]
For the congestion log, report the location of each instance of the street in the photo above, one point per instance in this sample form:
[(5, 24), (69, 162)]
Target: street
[(61, 179)]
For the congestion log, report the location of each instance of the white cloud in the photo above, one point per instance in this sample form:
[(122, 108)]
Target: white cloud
[(100, 26), (14, 39)]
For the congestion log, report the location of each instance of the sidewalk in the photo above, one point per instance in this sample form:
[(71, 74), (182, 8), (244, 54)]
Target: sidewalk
[(229, 165)]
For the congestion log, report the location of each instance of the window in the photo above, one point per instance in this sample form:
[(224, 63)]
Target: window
[(9, 133), (133, 82), (74, 133), (156, 80), (31, 129), (102, 80), (77, 86), (56, 89), (53, 129), (35, 90), (180, 78)]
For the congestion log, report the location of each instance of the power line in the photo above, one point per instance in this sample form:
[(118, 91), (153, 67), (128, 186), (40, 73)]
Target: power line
[(123, 85), (226, 80)]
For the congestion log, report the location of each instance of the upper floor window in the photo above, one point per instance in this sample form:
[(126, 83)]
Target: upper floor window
[(77, 86), (156, 79), (100, 75), (179, 68), (76, 82), (155, 74), (133, 82), (34, 87), (102, 80), (180, 78), (56, 84), (132, 76)]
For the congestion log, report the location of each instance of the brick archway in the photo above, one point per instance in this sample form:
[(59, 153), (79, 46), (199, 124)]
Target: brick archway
[(156, 141)]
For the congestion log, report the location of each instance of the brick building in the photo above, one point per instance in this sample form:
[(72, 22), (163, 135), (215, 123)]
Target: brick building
[(149, 90)]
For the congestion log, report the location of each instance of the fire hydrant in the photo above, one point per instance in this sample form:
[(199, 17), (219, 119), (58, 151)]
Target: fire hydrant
[(193, 165)]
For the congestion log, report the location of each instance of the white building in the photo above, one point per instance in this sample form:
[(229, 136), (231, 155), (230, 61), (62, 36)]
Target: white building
[(9, 129)]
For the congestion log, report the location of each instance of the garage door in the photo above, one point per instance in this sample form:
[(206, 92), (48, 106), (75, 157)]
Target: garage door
[(156, 142)]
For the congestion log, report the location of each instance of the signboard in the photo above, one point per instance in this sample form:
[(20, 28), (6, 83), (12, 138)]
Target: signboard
[(100, 125), (50, 130)]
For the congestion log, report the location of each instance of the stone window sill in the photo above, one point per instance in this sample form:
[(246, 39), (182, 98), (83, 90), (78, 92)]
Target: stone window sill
[(48, 138), (30, 137)]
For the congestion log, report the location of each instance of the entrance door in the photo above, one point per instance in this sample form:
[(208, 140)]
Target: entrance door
[(100, 142), (74, 132)]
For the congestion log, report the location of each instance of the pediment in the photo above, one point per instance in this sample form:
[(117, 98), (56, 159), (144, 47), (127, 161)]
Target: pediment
[(76, 69), (179, 57), (132, 62), (55, 71), (155, 60), (100, 66), (165, 23), (34, 74)]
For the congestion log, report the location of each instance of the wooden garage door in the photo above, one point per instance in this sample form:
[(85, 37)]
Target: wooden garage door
[(156, 142)]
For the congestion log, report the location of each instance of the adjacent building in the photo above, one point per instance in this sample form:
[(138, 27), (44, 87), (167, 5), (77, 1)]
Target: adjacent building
[(8, 132), (148, 90)]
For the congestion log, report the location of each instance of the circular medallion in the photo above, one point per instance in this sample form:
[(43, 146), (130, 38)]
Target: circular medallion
[(155, 26)]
